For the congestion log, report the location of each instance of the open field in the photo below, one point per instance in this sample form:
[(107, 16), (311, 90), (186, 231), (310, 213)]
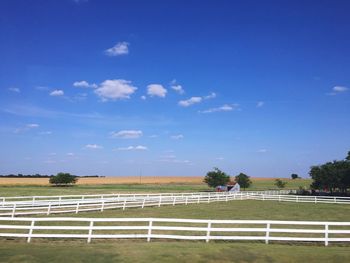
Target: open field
[(193, 251), (129, 251), (40, 186)]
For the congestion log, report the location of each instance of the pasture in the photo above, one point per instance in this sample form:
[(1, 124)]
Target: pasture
[(40, 250), (40, 186)]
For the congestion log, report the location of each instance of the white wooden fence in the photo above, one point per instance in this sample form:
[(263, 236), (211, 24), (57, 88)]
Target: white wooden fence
[(60, 198), (165, 228), (103, 202), (122, 202)]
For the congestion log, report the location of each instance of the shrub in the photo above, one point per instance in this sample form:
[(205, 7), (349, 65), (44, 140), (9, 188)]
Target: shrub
[(63, 179), (279, 183)]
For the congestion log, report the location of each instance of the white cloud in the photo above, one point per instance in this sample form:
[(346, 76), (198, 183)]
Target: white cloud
[(223, 108), (338, 90), (84, 84), (143, 97), (219, 158), (70, 154), (262, 151), (32, 125), (45, 133), (156, 90), (190, 101), (210, 96), (127, 134), (115, 89), (153, 136), (57, 92), (133, 148), (93, 146), (178, 89), (260, 104), (177, 137), (121, 48), (16, 90), (196, 100)]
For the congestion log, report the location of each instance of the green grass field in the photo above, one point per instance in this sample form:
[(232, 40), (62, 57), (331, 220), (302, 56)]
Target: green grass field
[(17, 250)]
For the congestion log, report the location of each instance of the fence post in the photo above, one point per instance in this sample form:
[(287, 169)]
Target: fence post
[(186, 200), (124, 203), (209, 198), (33, 201), (14, 210), (3, 201), (59, 200), (160, 200), (226, 198), (149, 231), (77, 209), (49, 209), (143, 203), (208, 231), (279, 198), (102, 205), (326, 234), (90, 231), (30, 231), (297, 197), (335, 200), (174, 201), (199, 196), (267, 233)]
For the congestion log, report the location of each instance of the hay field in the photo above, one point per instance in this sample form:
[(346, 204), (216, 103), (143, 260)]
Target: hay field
[(110, 180), (259, 183)]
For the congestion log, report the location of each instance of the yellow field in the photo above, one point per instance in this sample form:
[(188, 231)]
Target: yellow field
[(109, 180)]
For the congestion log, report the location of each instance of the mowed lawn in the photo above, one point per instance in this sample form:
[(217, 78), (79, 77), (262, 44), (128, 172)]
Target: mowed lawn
[(191, 251)]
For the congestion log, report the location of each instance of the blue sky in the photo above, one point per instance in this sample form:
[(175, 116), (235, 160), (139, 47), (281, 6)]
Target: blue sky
[(173, 87)]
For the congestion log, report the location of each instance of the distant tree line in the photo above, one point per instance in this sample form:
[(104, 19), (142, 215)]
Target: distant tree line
[(332, 176), (40, 176)]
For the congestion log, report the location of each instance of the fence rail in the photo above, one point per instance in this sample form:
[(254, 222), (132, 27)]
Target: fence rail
[(168, 228), (104, 202)]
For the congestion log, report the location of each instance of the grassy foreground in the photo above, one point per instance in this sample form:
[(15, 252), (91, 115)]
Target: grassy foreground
[(130, 251)]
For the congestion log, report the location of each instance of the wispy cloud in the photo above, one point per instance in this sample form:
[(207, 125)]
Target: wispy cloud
[(93, 146), (45, 133), (177, 137), (210, 96), (156, 90), (260, 104), (133, 148), (127, 134), (262, 151), (338, 90), (27, 127), (84, 84), (190, 101), (57, 93), (115, 89), (15, 90), (176, 87), (195, 100), (121, 48), (223, 108)]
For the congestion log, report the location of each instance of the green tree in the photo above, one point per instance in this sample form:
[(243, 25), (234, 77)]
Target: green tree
[(63, 179), (243, 180), (332, 176), (216, 177), (279, 183), (294, 176)]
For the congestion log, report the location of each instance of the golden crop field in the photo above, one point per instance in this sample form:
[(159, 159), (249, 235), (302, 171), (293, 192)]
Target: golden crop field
[(110, 180)]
